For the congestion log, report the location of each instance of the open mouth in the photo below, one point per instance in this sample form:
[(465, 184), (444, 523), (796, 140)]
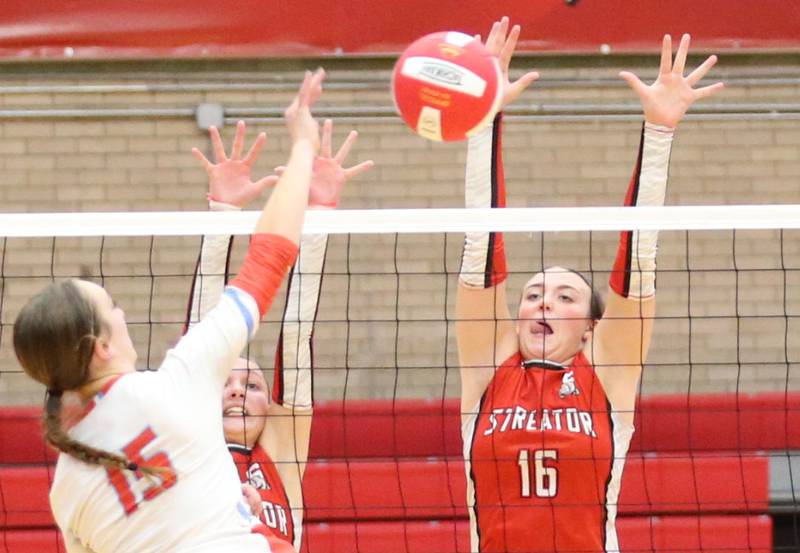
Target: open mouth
[(234, 412), (541, 327)]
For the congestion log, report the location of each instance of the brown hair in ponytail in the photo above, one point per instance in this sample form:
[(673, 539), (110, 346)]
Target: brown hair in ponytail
[(55, 436), (54, 339)]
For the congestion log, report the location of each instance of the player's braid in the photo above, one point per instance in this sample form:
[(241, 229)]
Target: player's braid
[(55, 435)]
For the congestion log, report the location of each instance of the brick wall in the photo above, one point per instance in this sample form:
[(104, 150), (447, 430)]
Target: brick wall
[(125, 161)]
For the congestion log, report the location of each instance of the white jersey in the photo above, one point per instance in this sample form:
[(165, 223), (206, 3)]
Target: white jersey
[(170, 418)]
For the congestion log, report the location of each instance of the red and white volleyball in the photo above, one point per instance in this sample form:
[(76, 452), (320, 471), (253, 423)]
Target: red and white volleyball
[(447, 86)]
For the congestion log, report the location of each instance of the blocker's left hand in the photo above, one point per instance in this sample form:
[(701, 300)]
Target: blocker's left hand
[(666, 100)]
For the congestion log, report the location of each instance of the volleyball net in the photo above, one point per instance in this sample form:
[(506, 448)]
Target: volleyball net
[(711, 466)]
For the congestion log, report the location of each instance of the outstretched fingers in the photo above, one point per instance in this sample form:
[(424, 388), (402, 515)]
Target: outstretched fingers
[(700, 71), (666, 55), (255, 149), (516, 88), (497, 36), (680, 56), (508, 47), (325, 143), (707, 91), (634, 82), (666, 101), (216, 143), (356, 170), (344, 149), (207, 165), (314, 87), (298, 116), (238, 140), (309, 92), (301, 99), (267, 182), (491, 39)]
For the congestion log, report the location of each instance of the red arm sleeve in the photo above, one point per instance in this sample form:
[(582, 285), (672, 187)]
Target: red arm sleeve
[(267, 261)]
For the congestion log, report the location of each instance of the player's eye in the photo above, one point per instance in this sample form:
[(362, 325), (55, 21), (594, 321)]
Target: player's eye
[(252, 386)]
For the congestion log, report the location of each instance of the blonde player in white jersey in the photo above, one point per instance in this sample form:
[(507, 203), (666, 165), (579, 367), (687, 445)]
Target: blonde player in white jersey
[(144, 469), (269, 440)]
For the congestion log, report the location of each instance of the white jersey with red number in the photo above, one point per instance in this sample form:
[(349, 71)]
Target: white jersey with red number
[(545, 454), (169, 418)]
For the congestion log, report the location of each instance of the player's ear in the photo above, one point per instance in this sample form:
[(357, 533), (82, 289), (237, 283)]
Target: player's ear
[(587, 333), (102, 351)]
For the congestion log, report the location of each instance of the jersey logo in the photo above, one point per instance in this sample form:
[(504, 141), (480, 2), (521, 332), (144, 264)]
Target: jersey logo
[(256, 477), (568, 386)]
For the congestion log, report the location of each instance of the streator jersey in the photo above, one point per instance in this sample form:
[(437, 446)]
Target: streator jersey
[(257, 469), (545, 454)]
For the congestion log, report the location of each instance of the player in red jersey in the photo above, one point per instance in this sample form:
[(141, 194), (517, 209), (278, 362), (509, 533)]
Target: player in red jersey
[(269, 440), (144, 467), (547, 400)]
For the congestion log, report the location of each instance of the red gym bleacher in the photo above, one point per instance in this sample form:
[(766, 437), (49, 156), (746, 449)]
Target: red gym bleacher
[(388, 476)]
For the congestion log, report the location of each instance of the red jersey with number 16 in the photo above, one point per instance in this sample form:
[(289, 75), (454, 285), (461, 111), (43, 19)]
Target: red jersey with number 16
[(544, 456)]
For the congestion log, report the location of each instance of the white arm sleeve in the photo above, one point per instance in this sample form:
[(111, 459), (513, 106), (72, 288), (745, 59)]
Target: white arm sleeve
[(654, 170), (483, 262), (477, 193), (294, 361), (211, 273)]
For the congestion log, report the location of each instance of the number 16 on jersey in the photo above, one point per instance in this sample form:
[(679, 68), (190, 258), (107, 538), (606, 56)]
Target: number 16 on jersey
[(545, 475)]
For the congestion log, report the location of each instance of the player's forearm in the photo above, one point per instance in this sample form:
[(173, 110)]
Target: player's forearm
[(483, 263), (634, 269), (284, 212), (209, 276), (293, 360)]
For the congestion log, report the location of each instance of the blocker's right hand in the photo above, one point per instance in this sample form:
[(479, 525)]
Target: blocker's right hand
[(501, 43), (299, 120), (329, 173), (229, 180)]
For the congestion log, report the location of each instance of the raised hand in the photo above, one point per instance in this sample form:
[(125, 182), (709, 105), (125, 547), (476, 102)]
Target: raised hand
[(502, 43), (666, 100), (229, 178), (329, 174), (299, 120)]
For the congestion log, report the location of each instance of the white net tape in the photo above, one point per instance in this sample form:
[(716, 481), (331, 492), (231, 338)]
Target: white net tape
[(384, 221)]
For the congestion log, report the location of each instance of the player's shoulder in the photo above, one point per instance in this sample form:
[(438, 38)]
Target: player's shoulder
[(144, 386), (513, 361), (582, 369), (260, 454), (510, 368)]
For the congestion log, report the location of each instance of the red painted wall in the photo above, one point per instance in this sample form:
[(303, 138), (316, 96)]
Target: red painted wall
[(43, 29)]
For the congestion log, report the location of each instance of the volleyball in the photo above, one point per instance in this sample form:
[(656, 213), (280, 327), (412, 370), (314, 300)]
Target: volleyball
[(446, 86)]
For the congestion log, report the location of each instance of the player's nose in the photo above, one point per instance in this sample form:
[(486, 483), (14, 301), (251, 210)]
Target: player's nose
[(234, 389), (544, 304)]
